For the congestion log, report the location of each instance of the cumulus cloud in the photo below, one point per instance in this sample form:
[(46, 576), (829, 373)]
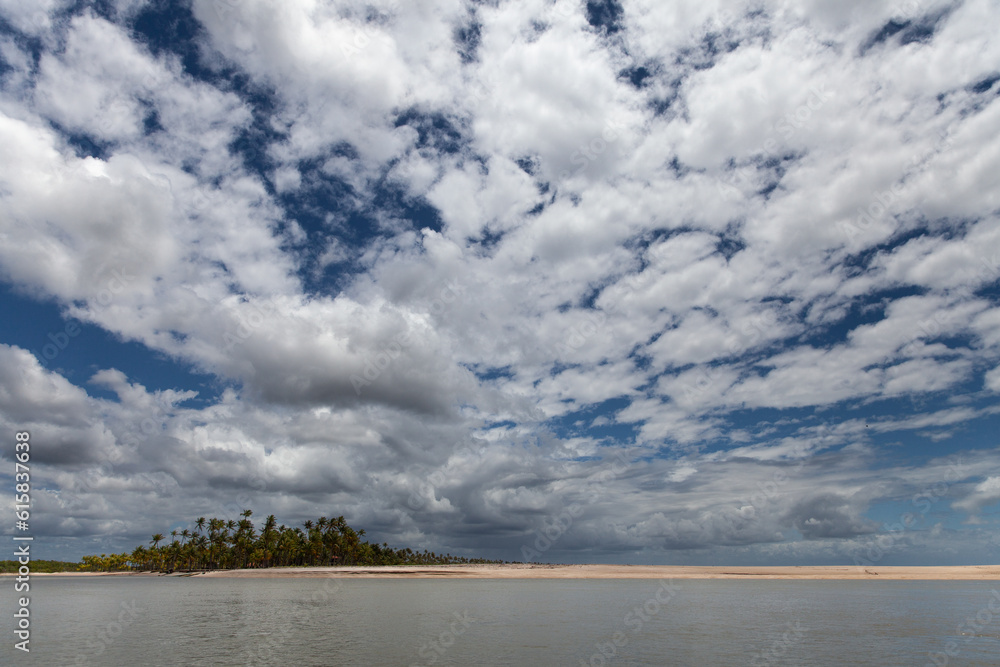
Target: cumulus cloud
[(985, 493), (828, 515), (453, 268)]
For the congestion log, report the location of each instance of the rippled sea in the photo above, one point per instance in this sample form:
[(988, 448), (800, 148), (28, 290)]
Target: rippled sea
[(112, 621)]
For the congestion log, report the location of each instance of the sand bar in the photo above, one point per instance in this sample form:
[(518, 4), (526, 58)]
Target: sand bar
[(540, 571), (545, 571)]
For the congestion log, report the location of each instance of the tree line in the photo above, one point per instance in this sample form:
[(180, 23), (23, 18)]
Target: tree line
[(47, 566), (218, 544)]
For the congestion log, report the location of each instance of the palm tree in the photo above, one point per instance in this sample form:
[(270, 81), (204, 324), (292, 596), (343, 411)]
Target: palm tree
[(268, 539), (200, 550), (155, 552), (139, 557), (232, 544)]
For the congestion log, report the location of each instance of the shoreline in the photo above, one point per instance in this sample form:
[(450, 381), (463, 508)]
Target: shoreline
[(547, 571)]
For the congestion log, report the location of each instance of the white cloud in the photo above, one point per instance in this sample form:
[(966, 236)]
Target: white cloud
[(775, 218), (993, 379), (31, 18), (985, 493)]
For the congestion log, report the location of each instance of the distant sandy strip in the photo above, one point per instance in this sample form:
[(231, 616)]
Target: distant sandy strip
[(542, 571), (538, 571)]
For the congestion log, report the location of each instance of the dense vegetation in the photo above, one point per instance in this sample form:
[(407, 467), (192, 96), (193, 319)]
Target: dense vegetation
[(237, 544), (10, 566)]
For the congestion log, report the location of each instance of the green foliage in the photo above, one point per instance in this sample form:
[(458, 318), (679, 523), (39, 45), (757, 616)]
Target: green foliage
[(37, 566), (238, 544)]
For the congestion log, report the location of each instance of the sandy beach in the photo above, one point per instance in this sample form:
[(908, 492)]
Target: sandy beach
[(542, 571), (546, 571)]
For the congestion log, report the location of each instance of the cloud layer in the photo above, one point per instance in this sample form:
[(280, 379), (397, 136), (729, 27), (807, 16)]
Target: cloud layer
[(719, 278)]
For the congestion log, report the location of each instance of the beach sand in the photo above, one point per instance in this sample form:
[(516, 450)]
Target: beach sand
[(543, 571), (546, 571)]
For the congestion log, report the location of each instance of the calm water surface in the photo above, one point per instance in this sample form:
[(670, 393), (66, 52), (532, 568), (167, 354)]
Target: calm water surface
[(116, 621)]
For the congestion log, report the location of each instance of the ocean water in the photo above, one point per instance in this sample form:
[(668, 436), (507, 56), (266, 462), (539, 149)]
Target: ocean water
[(119, 621)]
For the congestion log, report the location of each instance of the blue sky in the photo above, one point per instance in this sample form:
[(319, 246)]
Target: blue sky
[(688, 282)]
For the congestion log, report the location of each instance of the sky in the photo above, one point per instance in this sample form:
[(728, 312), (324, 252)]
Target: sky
[(630, 281)]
